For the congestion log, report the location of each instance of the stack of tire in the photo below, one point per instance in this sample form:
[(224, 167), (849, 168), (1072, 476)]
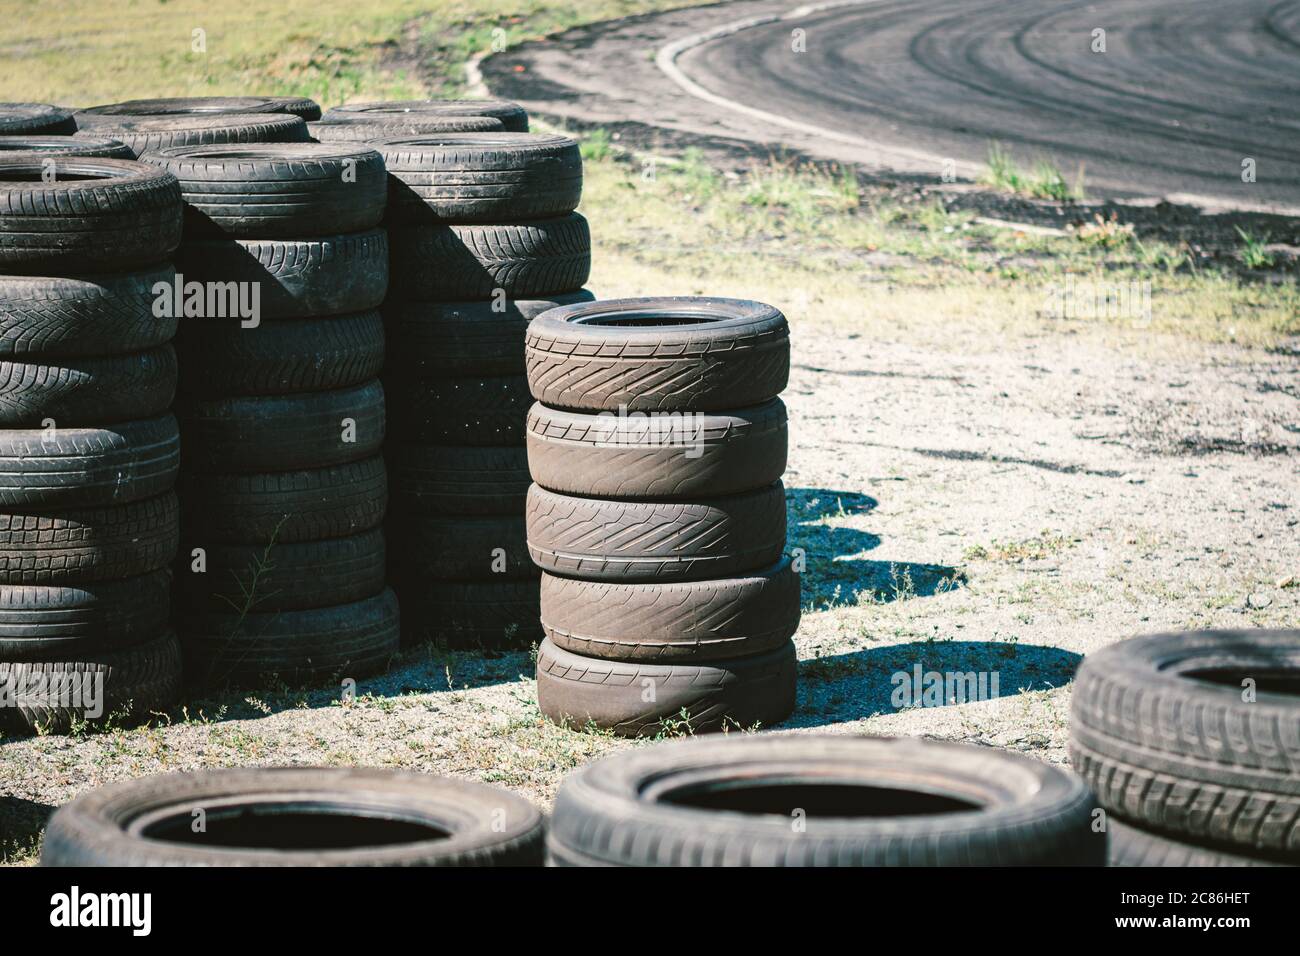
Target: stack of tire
[(372, 121), (284, 488), (89, 449), (657, 514), (483, 238), (1191, 742), (149, 125)]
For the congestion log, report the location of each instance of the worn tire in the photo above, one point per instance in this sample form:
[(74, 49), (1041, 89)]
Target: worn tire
[(453, 548), (512, 116), (604, 539), (279, 356), (298, 647), (684, 455), (283, 577), (99, 215), (277, 190), (88, 467), (463, 823), (696, 620), (42, 622), (208, 105), (470, 615), (297, 278), (103, 315), (458, 479), (339, 130), (64, 146), (450, 262), (458, 411), (18, 119), (148, 134), (76, 392), (1130, 846), (730, 802), (1186, 756), (283, 432), (137, 681), (481, 177), (580, 692)]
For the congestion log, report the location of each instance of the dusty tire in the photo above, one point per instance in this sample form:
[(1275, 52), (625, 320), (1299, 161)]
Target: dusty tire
[(148, 134), (83, 545), (604, 539), (210, 105), (376, 817), (88, 467), (688, 621), (464, 338), (65, 146), (1159, 729), (458, 480), (339, 130), (283, 577), (21, 119), (103, 315), (580, 692), (297, 278), (135, 682), (49, 622), (481, 177), (278, 190), (285, 506), (1130, 846), (457, 411), (76, 392), (511, 116), (864, 801), (449, 263), (453, 548), (298, 647), (99, 215), (283, 432), (688, 455), (470, 615), (221, 358)]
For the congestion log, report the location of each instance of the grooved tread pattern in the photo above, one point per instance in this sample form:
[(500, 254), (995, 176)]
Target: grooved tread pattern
[(148, 134), (336, 130), (1131, 846), (45, 622), (458, 411), (458, 480), (23, 118), (78, 391)]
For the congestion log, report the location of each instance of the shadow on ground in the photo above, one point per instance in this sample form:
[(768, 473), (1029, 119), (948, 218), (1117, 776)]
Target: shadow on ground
[(21, 824)]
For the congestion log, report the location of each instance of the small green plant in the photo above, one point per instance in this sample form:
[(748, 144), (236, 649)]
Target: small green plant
[(1253, 251), (1046, 181), (1105, 233), (597, 146)]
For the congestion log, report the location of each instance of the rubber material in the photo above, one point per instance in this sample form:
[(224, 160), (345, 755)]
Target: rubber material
[(64, 146), (512, 116), (48, 622), (207, 105), (470, 615), (458, 411), (148, 134), (28, 118), (81, 391), (1130, 846), (458, 480), (339, 130), (480, 548)]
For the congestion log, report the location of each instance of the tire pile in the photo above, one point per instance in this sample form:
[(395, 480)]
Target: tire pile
[(657, 514), (89, 448), (284, 488), (483, 238), (1191, 742)]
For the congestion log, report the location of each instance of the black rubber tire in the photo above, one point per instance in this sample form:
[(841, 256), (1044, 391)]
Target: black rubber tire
[(339, 130), (1188, 757), (458, 411), (299, 647), (449, 548), (279, 356), (632, 809), (647, 355), (470, 615), (285, 507), (691, 697), (448, 263), (282, 577), (148, 134), (209, 105), (85, 545), (98, 215), (49, 623), (64, 146), (472, 824), (458, 479), (78, 391), (1130, 846), (481, 177), (103, 315), (603, 539), (512, 116), (683, 455), (464, 338), (278, 190), (296, 278), (88, 467), (137, 682), (283, 432), (35, 118), (697, 620)]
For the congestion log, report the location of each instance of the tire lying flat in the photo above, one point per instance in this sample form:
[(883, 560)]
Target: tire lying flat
[(42, 622), (1130, 846), (458, 480), (65, 146), (863, 801), (317, 817), (470, 615), (457, 411), (75, 392), (339, 129), (512, 116), (207, 105), (454, 548), (148, 134), (29, 118)]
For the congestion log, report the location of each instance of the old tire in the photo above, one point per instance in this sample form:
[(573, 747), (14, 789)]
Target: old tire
[(1131, 846), (455, 548), (579, 692), (470, 615), (862, 801), (210, 105), (42, 622), (148, 134), (339, 130), (458, 480), (694, 620), (512, 116), (75, 392), (21, 119), (458, 411), (680, 455), (65, 146), (604, 539)]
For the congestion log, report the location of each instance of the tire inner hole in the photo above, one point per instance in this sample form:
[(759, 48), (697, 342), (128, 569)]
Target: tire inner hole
[(1268, 680), (832, 799), (278, 826), (649, 319)]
